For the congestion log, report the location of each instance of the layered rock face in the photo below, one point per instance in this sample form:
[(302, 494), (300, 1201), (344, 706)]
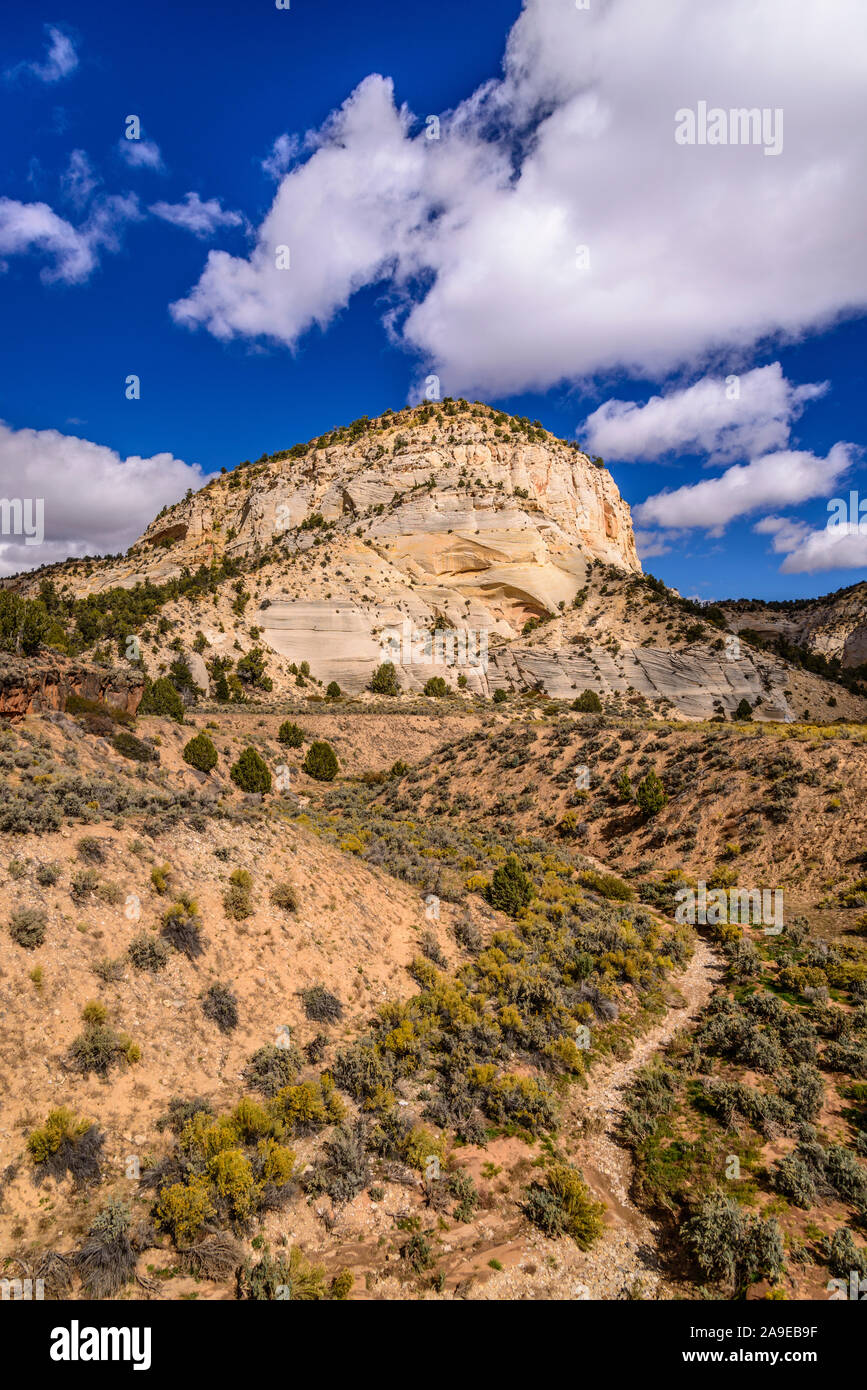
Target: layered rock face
[(696, 685), (424, 518), (478, 536), (450, 525), (35, 685), (833, 626), (444, 500)]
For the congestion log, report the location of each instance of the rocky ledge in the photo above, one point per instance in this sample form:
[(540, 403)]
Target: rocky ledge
[(34, 685)]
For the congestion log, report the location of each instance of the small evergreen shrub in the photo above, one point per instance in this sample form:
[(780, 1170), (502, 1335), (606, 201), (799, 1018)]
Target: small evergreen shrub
[(321, 762), (161, 698), (251, 669), (588, 702), (651, 795), (624, 787), (201, 754), (251, 772), (510, 890), (290, 735), (384, 680)]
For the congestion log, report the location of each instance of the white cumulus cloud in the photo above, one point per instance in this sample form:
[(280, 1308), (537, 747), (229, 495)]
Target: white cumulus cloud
[(94, 501), (787, 532), (785, 478), (739, 416), (344, 218), (691, 254), (73, 252), (809, 551)]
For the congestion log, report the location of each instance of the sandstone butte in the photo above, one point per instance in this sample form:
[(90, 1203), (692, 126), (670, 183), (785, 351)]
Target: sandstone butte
[(446, 516)]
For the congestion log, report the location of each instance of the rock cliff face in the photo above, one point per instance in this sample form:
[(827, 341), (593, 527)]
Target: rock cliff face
[(832, 626), (508, 551), (697, 683), (35, 685), (445, 497)]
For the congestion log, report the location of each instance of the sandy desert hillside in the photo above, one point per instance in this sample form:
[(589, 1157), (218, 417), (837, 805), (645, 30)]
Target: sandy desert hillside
[(363, 994), (321, 937), (750, 804), (368, 978)]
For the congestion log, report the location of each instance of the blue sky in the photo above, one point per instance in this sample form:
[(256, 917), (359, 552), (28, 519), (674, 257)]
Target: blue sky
[(555, 251)]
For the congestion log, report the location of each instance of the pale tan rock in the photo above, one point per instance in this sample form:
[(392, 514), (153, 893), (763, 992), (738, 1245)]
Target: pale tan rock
[(418, 525), (834, 626)]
